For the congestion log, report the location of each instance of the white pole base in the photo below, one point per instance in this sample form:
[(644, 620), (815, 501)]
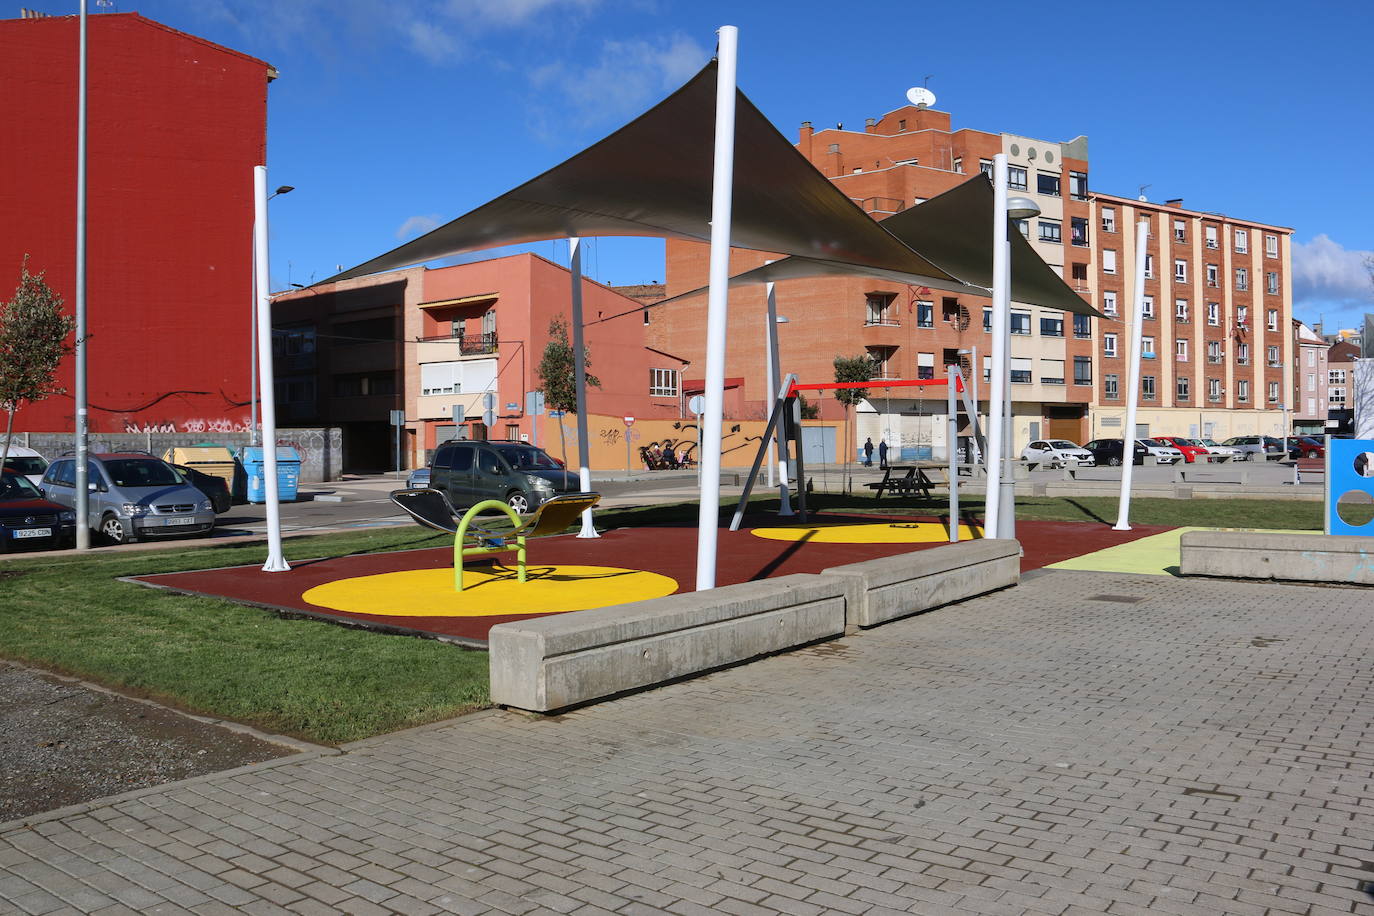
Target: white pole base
[(1119, 526), (588, 529), (276, 564)]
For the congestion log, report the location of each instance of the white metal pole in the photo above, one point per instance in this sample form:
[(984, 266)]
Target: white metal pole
[(775, 384), (768, 374), (722, 194), (83, 493), (584, 471), (951, 456), (253, 351), (1001, 333), (276, 562), (1123, 515)]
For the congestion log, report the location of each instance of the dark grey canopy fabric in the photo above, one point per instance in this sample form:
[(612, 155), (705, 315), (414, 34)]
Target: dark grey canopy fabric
[(653, 178), (955, 231)]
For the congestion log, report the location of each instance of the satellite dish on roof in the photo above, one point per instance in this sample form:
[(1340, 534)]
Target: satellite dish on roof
[(920, 96)]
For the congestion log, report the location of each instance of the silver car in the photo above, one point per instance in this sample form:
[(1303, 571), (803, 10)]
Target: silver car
[(1161, 452), (132, 496)]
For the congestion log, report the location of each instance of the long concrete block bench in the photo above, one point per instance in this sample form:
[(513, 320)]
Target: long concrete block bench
[(1292, 557), (887, 588), (562, 660)]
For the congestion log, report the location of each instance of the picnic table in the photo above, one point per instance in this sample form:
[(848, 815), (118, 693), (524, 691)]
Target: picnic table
[(904, 480)]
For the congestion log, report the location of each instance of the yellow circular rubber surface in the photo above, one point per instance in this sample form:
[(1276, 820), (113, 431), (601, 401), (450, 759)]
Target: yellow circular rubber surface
[(868, 533), (489, 592)]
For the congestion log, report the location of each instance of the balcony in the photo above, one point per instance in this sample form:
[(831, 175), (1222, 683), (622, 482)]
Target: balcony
[(470, 345), (872, 322), (881, 205)]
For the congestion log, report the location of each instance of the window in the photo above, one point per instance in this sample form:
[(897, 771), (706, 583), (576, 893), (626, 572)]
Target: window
[(1078, 185), (1147, 307), (1079, 272), (1108, 219), (1271, 246), (1051, 327), (925, 365), (1110, 390), (1108, 261), (1022, 226), (1147, 387), (1311, 381), (1214, 313), (441, 378), (1021, 370), (879, 310), (959, 164), (1242, 278), (987, 320), (1272, 319), (1050, 231), (882, 360), (1047, 183), (1147, 348), (1020, 323), (1214, 389), (1109, 303), (1181, 350), (1242, 241), (1272, 355), (1214, 351), (1180, 270), (1212, 280), (369, 384), (1243, 354), (1183, 388), (1051, 372), (1149, 265), (663, 383), (985, 166), (1335, 376), (925, 314), (1242, 315), (1271, 282), (1078, 230), (1311, 406), (1109, 345), (1180, 230), (1243, 390), (1336, 396), (1180, 309), (1016, 178), (489, 322), (1082, 370), (1082, 327), (1273, 392), (1211, 235)]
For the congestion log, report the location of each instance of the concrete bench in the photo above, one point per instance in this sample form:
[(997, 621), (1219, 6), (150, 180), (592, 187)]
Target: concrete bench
[(563, 660), (877, 591), (1185, 474), (1288, 556)]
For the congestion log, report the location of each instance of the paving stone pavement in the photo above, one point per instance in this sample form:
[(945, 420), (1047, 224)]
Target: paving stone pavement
[(1085, 743)]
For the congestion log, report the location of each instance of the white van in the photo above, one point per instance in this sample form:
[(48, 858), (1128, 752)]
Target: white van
[(26, 461)]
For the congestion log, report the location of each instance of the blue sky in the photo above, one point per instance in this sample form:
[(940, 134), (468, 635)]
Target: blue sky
[(391, 117)]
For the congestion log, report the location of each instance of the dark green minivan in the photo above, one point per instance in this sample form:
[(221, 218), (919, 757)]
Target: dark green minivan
[(516, 473)]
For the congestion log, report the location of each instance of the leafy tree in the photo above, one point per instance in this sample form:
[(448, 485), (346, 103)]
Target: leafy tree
[(33, 342), (809, 411), (849, 369), (557, 375)]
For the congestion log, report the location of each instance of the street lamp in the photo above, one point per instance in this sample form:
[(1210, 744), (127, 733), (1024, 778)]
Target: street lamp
[(284, 189)]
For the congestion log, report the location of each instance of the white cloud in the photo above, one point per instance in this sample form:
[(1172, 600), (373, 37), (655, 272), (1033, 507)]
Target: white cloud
[(625, 78), (507, 13), (417, 225), (1326, 271)]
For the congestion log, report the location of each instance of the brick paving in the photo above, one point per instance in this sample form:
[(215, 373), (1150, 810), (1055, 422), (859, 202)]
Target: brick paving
[(1085, 743)]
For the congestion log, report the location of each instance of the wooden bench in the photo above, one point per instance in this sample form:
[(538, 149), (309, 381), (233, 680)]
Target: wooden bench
[(1313, 467)]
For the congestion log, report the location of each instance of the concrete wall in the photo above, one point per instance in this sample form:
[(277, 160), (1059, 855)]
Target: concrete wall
[(1287, 556)]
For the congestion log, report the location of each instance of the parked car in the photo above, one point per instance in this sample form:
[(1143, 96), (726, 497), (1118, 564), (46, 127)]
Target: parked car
[(418, 479), (133, 495), (1306, 447), (30, 522), (1162, 452), (521, 474), (1109, 452), (23, 460), (1056, 453), (1224, 452), (1191, 448), (1251, 446), (215, 488)]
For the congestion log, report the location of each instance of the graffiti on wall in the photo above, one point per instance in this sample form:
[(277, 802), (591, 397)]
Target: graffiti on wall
[(197, 425)]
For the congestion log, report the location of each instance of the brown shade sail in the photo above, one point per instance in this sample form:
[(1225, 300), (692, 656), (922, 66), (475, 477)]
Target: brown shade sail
[(653, 178), (954, 230)]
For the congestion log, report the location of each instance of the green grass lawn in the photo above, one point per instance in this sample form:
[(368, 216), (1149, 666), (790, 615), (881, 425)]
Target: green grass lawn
[(332, 684)]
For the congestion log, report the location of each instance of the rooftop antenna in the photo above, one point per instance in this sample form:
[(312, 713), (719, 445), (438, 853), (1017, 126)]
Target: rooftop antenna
[(1142, 192), (921, 96)]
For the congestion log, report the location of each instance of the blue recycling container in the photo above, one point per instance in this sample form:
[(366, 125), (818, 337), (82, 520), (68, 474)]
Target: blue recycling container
[(288, 473)]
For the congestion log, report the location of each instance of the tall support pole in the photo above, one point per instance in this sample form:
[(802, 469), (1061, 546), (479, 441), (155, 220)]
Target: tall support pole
[(276, 561), (951, 447), (1001, 335), (83, 493), (253, 351), (1123, 515), (722, 181), (775, 383), (584, 471)]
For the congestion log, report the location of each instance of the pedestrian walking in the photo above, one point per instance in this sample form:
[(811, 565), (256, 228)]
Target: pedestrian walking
[(868, 452), (882, 454)]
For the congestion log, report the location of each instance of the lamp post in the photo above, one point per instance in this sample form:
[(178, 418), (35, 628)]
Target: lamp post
[(253, 338), (1014, 208)]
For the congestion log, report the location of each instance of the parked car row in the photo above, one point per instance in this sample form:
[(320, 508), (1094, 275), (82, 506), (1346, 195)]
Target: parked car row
[(1057, 453)]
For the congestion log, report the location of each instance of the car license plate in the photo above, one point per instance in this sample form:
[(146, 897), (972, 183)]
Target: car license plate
[(33, 533), (179, 521)]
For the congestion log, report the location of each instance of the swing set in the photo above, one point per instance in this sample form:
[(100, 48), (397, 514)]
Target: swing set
[(785, 419)]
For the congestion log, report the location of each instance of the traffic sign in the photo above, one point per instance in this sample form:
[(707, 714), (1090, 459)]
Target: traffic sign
[(697, 404), (459, 414), (398, 418), (629, 421)]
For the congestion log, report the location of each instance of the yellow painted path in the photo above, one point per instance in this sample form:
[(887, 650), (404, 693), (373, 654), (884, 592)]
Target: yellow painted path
[(1156, 555), (868, 533)]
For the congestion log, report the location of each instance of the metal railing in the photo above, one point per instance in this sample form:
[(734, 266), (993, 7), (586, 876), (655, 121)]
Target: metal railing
[(470, 345)]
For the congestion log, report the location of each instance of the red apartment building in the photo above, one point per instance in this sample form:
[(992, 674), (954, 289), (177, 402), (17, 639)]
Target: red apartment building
[(424, 341), (175, 126)]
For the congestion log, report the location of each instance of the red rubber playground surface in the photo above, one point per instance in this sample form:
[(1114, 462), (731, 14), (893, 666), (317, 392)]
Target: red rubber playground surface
[(667, 551)]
